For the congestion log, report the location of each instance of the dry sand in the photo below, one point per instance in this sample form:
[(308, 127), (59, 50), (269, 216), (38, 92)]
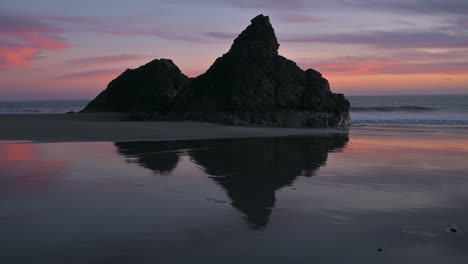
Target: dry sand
[(109, 127)]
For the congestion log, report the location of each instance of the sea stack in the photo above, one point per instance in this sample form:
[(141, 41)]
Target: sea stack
[(249, 85)]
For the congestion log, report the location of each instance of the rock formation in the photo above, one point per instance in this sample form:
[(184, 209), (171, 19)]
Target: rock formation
[(250, 84), (150, 88)]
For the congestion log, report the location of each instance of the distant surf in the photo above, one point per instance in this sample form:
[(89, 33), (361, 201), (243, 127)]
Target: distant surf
[(42, 106), (440, 110), (391, 108)]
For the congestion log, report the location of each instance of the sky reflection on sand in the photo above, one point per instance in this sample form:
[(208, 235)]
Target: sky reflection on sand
[(22, 168), (326, 199)]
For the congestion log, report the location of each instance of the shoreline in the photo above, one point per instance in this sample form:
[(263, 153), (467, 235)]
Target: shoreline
[(100, 127)]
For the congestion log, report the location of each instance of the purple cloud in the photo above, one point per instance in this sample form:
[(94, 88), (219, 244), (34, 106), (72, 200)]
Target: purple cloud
[(270, 4), (221, 35), (296, 19), (90, 75), (169, 35), (129, 25), (431, 7), (100, 60), (388, 39)]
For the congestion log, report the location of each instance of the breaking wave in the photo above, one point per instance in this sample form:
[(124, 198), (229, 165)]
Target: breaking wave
[(400, 108)]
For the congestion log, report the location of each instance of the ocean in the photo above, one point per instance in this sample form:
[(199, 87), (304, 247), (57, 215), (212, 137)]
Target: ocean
[(400, 110), (41, 106), (410, 110)]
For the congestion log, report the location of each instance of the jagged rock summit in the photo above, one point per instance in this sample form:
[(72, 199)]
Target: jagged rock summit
[(250, 84)]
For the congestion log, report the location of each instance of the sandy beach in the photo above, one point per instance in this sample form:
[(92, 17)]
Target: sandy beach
[(109, 127)]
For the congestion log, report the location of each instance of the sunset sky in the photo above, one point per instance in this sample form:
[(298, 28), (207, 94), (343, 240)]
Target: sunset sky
[(55, 49)]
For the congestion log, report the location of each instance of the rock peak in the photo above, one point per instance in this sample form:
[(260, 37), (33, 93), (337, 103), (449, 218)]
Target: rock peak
[(261, 19), (258, 38)]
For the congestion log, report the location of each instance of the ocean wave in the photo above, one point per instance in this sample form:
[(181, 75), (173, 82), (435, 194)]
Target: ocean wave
[(399, 108), (410, 121)]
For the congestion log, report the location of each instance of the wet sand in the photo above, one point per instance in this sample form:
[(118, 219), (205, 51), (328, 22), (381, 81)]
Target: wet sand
[(370, 196), (109, 127), (367, 195)]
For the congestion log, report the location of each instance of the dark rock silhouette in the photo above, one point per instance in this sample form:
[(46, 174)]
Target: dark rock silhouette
[(250, 170), (150, 88), (250, 84)]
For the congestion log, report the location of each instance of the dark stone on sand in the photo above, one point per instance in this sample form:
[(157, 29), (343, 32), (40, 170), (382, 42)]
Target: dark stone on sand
[(249, 85), (453, 230), (379, 249)]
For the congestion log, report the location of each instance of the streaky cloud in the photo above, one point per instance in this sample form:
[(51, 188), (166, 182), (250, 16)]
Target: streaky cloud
[(168, 35), (90, 75), (220, 35), (299, 19), (15, 56), (270, 4), (100, 60), (429, 7), (389, 39), (404, 63), (24, 38)]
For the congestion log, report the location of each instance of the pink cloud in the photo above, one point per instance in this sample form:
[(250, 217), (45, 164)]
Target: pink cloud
[(391, 67), (23, 39), (16, 56), (45, 42)]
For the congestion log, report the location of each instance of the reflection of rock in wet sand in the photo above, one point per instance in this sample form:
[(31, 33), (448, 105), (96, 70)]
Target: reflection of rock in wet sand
[(160, 156), (250, 170)]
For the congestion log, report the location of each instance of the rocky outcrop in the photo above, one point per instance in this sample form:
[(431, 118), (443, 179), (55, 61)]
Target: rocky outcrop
[(250, 84), (150, 88)]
